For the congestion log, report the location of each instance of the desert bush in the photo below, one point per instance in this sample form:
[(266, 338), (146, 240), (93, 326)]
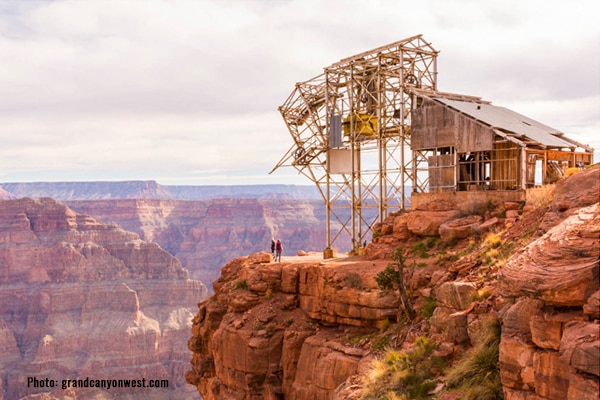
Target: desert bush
[(403, 375), (353, 280), (396, 276), (241, 284), (270, 328), (477, 375), (428, 308), (480, 294), (269, 294), (420, 249), (380, 342), (492, 241), (540, 197)]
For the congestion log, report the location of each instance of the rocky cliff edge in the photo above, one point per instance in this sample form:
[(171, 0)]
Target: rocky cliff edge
[(309, 328)]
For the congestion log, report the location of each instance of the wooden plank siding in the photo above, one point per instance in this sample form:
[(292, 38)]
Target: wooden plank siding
[(432, 125), (472, 135), (441, 173), (466, 154)]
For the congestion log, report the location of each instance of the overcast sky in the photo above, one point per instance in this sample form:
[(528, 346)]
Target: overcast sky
[(186, 92)]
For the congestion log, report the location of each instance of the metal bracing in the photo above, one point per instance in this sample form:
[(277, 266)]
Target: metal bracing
[(351, 132)]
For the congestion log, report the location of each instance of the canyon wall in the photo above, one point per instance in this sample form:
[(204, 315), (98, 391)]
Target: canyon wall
[(203, 226), (83, 299), (204, 235)]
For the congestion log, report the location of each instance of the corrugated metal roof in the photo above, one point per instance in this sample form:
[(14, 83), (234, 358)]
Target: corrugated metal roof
[(508, 121)]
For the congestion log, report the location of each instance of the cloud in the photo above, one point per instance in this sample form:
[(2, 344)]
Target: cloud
[(187, 91)]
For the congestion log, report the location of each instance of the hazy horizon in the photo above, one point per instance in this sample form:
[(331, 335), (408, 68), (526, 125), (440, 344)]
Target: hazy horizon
[(187, 92)]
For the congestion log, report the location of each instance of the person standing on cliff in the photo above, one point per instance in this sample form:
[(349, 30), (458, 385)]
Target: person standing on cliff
[(278, 250), (272, 247)]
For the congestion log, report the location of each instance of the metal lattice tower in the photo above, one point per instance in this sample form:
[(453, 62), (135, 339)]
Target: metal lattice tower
[(351, 132)]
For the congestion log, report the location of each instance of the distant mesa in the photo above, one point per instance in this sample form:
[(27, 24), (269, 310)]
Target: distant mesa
[(151, 190)]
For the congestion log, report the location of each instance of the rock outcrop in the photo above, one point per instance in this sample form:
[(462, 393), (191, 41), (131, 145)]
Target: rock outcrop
[(273, 329), (553, 350), (82, 299), (281, 330)]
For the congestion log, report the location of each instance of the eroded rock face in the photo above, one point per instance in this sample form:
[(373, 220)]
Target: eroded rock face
[(427, 223), (272, 329), (550, 341), (561, 268), (79, 298)]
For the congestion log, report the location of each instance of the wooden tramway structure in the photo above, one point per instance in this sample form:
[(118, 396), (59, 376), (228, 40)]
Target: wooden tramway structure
[(350, 127)]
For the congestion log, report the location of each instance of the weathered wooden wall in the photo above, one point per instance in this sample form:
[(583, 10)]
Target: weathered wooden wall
[(432, 125)]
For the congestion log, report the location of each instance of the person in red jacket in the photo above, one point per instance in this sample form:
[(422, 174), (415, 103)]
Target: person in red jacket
[(278, 250)]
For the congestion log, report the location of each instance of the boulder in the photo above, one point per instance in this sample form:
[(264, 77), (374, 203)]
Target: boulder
[(489, 224), (456, 295), (427, 223), (592, 307), (400, 227), (516, 359), (456, 331), (460, 228), (439, 319), (580, 346), (512, 214), (517, 318), (561, 267), (545, 334)]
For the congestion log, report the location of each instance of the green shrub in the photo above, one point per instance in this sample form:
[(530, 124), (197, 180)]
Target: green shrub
[(380, 343), (420, 250), (400, 375), (428, 308), (477, 376), (480, 294), (241, 284)]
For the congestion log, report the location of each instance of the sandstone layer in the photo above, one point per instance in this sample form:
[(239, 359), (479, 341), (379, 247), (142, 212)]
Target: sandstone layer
[(273, 329), (82, 299), (550, 346)]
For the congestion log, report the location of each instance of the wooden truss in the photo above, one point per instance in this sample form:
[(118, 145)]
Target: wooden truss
[(351, 132)]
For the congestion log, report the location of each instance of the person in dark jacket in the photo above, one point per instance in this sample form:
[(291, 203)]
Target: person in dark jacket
[(272, 247)]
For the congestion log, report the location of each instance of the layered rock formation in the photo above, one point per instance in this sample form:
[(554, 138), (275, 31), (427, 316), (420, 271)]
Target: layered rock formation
[(264, 334), (285, 330), (550, 344), (82, 299), (204, 235)]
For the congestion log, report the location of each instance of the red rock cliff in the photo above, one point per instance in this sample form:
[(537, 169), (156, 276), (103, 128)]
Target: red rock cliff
[(79, 298)]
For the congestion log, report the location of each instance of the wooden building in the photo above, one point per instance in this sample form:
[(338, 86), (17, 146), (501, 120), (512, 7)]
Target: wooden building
[(464, 143)]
